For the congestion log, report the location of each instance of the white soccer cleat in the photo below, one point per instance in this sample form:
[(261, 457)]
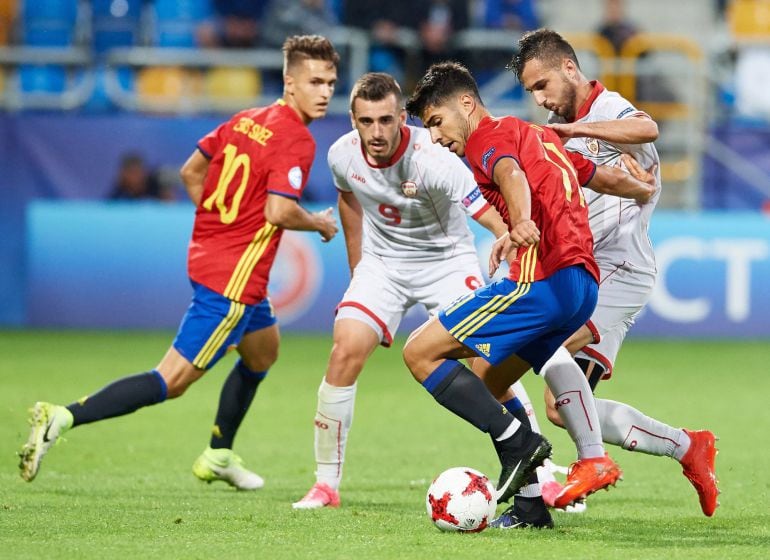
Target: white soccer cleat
[(320, 495), (224, 465), (49, 422), (554, 468)]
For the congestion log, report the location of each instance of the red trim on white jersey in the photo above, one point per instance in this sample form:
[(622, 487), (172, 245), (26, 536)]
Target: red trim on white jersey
[(387, 338), (405, 136), (601, 358), (594, 331), (586, 106), (481, 211)]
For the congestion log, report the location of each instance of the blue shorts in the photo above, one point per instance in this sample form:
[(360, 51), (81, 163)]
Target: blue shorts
[(214, 323), (530, 320)]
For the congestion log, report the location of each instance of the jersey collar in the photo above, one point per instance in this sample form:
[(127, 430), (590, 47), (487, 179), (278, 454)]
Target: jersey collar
[(405, 135), (586, 106)]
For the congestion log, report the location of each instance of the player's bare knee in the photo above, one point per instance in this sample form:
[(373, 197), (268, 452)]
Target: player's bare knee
[(176, 387), (416, 359), (262, 361), (553, 416), (343, 375)]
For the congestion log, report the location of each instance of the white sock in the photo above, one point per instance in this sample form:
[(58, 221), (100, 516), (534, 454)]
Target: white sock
[(575, 403), (521, 394), (544, 474), (332, 424), (628, 428)]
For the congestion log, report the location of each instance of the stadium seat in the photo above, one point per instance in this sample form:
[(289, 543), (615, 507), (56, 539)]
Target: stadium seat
[(100, 100), (42, 79), (49, 23), (8, 10), (228, 86), (749, 20), (115, 23), (176, 21), (166, 84)]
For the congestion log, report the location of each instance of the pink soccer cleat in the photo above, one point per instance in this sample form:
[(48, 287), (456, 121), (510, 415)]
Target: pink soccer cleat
[(320, 495)]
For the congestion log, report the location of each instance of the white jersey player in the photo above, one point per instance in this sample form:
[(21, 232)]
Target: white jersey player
[(602, 126), (403, 204)]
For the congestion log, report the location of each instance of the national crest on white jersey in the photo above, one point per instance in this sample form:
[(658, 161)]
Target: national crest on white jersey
[(409, 189)]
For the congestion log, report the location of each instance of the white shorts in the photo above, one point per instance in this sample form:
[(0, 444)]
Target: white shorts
[(380, 295), (623, 292)]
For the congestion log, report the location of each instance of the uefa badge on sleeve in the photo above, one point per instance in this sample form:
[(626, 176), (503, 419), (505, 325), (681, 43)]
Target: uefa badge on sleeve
[(409, 188)]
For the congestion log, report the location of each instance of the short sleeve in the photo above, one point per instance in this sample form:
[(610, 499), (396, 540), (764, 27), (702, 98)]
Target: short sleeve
[(585, 167), (209, 144), (338, 174), (289, 165), (496, 144)]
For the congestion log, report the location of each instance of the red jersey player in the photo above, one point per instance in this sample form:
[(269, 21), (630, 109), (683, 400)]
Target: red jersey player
[(246, 178), (552, 287)]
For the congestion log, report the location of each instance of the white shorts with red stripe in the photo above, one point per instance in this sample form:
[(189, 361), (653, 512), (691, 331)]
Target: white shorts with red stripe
[(623, 292), (379, 295)]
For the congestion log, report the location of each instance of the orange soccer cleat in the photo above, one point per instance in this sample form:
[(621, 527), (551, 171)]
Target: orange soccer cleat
[(698, 467), (585, 477)]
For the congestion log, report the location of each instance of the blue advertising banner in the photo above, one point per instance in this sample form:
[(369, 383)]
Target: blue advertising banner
[(123, 266)]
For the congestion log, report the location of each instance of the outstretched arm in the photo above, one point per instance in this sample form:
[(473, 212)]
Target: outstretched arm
[(638, 184), (633, 130), (286, 213)]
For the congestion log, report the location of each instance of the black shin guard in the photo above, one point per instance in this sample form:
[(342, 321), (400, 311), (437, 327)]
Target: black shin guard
[(120, 397), (234, 401), (466, 395)]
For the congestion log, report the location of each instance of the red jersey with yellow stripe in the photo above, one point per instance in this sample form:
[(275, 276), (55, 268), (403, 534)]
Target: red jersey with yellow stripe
[(258, 151), (558, 206)]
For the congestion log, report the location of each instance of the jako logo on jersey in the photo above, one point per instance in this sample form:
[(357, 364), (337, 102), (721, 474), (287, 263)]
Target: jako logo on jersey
[(409, 188), (295, 178), (474, 194), (486, 156), (357, 177), (295, 278), (484, 348), (593, 146)]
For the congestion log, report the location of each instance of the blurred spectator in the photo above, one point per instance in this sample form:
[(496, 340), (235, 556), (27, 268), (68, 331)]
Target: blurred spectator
[(617, 29), (296, 17), (384, 21), (398, 27), (236, 24), (136, 182), (439, 19), (512, 15)]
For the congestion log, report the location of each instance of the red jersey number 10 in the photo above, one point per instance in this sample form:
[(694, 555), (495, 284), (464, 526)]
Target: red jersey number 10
[(233, 162)]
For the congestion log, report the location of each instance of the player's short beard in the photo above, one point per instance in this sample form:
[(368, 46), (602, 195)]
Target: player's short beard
[(570, 100)]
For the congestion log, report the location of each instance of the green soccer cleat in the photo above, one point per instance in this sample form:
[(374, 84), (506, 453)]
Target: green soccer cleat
[(224, 465), (49, 422)]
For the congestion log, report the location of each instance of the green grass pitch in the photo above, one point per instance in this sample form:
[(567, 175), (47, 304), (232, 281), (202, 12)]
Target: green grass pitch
[(123, 488)]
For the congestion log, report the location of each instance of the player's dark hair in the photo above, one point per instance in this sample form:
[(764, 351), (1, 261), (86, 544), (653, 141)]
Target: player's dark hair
[(376, 86), (308, 47), (442, 81), (544, 45)]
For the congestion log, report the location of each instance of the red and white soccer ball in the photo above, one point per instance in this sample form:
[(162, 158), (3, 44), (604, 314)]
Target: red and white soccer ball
[(461, 499)]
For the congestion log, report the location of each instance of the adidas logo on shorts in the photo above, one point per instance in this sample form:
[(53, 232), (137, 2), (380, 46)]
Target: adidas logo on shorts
[(484, 348)]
